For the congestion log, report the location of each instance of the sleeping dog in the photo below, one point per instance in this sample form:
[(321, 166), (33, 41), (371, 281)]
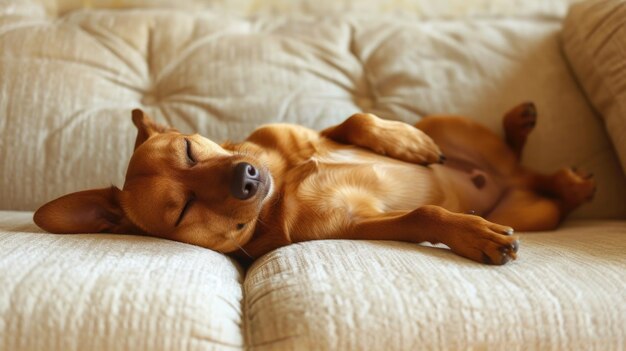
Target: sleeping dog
[(366, 178)]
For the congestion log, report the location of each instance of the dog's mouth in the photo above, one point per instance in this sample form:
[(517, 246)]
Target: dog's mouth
[(268, 186), (244, 230), (264, 193)]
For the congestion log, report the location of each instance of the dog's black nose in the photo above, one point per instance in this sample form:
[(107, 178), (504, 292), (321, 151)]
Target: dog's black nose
[(245, 181)]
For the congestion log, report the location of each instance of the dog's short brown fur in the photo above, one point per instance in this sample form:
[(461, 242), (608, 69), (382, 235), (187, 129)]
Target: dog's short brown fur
[(366, 178)]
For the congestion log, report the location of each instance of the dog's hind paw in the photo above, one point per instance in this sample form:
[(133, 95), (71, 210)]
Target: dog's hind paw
[(518, 123), (574, 185)]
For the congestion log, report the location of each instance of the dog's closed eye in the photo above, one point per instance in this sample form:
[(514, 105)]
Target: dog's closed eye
[(189, 151), (184, 211)]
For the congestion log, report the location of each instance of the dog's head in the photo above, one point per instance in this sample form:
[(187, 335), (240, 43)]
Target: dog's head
[(180, 187)]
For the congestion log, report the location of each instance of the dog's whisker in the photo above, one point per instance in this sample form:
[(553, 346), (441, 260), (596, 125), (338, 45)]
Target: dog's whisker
[(232, 238), (260, 221)]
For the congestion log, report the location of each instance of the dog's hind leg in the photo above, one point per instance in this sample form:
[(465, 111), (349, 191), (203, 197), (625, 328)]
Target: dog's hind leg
[(525, 210), (464, 141), (462, 136), (518, 123), (545, 200)]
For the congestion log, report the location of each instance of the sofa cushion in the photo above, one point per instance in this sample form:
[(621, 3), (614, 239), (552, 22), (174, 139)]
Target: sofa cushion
[(113, 292), (594, 39), (565, 292), (69, 82)]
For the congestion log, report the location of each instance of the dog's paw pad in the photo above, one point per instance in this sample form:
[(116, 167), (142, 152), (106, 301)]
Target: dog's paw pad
[(486, 259), (529, 110)]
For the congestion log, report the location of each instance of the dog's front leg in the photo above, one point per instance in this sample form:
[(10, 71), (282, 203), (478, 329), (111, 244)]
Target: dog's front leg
[(466, 235), (391, 138)]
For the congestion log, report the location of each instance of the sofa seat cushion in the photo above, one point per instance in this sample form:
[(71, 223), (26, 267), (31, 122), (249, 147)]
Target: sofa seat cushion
[(113, 292), (69, 82), (565, 292)]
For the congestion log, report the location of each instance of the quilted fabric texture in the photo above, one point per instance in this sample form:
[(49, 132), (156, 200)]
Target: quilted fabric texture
[(419, 8), (116, 292), (594, 38), (565, 293), (113, 292), (69, 83)]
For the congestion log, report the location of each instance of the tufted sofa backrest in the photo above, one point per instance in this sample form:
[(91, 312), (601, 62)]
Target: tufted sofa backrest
[(424, 9), (69, 78)]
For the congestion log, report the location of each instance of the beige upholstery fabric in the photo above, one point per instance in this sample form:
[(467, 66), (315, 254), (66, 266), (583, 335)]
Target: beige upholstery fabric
[(594, 38), (113, 292), (420, 8), (70, 73), (566, 292), (69, 82)]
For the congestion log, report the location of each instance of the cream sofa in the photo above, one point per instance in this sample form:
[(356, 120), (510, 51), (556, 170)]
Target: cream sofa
[(71, 71)]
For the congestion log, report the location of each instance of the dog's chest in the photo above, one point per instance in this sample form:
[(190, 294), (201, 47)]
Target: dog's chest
[(354, 182)]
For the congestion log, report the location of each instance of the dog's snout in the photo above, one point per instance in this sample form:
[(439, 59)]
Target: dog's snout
[(245, 181)]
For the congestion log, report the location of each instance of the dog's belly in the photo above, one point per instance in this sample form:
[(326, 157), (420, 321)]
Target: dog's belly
[(352, 183)]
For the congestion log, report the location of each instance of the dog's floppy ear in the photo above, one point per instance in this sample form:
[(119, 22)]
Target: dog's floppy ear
[(90, 211), (146, 127)]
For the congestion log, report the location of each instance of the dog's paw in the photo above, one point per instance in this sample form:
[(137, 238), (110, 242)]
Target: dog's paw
[(394, 139), (575, 186), (406, 143), (521, 120), (485, 242), (518, 123)]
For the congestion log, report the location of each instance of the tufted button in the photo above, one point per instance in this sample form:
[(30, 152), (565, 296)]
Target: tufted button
[(150, 98), (364, 102)]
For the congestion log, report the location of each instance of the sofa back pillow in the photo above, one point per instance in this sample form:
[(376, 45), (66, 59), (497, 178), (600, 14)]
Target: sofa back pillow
[(594, 41)]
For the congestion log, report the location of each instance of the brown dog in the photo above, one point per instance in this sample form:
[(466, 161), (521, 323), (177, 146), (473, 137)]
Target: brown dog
[(366, 178)]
